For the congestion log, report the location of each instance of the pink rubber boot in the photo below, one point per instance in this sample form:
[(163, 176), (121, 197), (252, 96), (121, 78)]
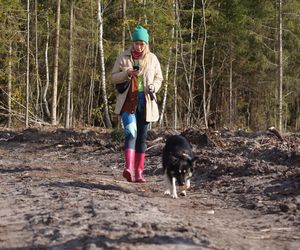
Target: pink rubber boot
[(139, 167), (129, 165)]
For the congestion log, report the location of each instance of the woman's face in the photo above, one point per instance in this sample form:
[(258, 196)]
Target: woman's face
[(139, 46)]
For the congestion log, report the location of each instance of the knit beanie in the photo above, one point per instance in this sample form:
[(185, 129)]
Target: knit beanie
[(140, 34)]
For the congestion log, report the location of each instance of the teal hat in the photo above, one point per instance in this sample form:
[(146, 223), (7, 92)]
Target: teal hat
[(140, 34)]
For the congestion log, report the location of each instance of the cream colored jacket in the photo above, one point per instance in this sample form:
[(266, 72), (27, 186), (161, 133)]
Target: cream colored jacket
[(152, 75)]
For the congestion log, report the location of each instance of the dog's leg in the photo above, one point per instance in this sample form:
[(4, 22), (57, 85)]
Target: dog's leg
[(188, 183), (174, 192), (187, 186), (167, 183), (183, 193)]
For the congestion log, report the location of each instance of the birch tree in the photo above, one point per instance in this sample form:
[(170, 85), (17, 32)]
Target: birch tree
[(190, 85), (55, 67), (94, 55), (70, 79), (166, 82), (27, 68), (124, 6), (45, 90), (280, 66), (230, 89), (203, 65), (9, 84), (174, 81), (102, 65), (38, 80)]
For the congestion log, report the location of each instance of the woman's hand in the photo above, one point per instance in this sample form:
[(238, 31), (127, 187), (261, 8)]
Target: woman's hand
[(131, 72), (151, 88)]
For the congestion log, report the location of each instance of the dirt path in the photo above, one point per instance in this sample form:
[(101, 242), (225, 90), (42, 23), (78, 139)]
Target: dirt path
[(63, 190)]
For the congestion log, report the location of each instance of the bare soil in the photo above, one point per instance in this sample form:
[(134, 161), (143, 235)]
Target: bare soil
[(63, 189)]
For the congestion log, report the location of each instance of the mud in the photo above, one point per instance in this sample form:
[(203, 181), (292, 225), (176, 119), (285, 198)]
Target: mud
[(63, 189)]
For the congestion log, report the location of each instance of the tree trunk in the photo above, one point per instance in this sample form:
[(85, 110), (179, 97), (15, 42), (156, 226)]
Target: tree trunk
[(280, 66), (45, 101), (230, 90), (203, 66), (190, 88), (27, 69), (166, 81), (101, 50), (9, 84), (174, 82), (211, 81), (70, 79), (94, 52), (55, 67), (124, 5), (38, 80)]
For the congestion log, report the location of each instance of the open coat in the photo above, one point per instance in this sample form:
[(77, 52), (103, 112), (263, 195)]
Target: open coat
[(152, 75)]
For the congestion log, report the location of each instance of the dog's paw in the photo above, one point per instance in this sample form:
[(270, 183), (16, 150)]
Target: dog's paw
[(183, 193), (174, 196), (167, 192)]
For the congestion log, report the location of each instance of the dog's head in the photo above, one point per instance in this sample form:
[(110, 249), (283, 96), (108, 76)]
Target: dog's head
[(183, 166)]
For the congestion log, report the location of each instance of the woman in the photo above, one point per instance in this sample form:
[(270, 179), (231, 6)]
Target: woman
[(137, 105)]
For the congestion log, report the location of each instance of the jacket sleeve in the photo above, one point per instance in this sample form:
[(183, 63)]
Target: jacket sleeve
[(158, 78), (119, 72)]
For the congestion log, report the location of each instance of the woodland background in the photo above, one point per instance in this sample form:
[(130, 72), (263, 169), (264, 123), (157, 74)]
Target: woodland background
[(226, 63)]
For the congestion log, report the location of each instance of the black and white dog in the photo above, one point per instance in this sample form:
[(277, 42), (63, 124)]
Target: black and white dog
[(178, 160)]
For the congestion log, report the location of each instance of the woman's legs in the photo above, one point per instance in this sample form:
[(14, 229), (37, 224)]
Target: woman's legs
[(135, 128), (140, 145), (130, 129)]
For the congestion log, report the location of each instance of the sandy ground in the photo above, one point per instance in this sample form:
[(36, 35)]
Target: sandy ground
[(63, 189)]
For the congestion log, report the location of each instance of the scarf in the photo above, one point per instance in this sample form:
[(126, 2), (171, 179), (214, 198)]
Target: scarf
[(136, 55)]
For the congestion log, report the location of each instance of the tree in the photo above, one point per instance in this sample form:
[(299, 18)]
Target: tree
[(55, 67), (280, 65), (203, 65), (37, 71), (9, 85), (70, 79), (27, 68), (45, 101), (102, 64)]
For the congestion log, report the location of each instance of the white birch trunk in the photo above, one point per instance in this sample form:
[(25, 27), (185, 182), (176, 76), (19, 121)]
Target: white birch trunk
[(55, 67), (38, 80), (230, 90), (45, 101), (203, 66), (166, 81), (280, 66), (70, 78), (175, 84), (9, 85), (93, 70), (190, 103), (27, 68), (124, 5), (102, 64)]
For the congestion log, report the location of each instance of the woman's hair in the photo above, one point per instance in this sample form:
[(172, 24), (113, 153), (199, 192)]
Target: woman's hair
[(143, 62)]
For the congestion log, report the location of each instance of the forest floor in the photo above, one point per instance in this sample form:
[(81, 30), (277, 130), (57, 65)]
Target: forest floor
[(63, 189)]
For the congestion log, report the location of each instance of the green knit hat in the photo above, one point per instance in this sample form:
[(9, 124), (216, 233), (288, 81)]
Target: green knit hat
[(140, 34)]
